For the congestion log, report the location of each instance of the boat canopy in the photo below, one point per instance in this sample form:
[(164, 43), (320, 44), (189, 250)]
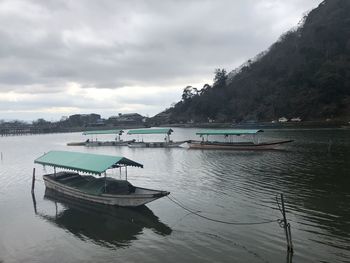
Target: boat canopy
[(151, 131), (228, 132), (84, 162), (103, 132)]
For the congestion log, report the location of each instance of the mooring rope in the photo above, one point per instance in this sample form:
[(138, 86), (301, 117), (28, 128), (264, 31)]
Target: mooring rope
[(220, 221)]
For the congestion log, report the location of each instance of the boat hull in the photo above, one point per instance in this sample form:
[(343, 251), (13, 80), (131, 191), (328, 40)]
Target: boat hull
[(75, 143), (107, 143), (123, 200), (237, 146), (155, 144), (100, 143)]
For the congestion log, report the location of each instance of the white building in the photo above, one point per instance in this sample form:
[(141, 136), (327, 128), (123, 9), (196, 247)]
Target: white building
[(282, 119), (296, 119)]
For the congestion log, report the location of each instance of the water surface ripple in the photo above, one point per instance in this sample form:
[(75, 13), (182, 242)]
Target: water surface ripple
[(237, 186)]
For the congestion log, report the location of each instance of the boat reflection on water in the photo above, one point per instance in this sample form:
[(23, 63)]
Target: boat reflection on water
[(104, 225)]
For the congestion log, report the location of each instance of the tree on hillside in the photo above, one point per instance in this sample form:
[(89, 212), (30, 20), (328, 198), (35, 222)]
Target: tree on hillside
[(188, 93), (220, 78)]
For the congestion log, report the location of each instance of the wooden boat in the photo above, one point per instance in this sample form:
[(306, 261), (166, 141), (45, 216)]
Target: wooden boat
[(229, 144), (94, 143), (105, 190), (167, 143), (108, 143), (170, 144)]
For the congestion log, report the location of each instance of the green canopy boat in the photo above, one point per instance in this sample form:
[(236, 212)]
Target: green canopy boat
[(91, 142), (167, 143), (105, 190), (230, 144)]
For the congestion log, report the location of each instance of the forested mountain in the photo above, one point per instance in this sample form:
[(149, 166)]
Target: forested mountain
[(305, 73)]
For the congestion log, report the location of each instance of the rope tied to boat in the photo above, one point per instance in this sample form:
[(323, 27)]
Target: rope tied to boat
[(172, 199)]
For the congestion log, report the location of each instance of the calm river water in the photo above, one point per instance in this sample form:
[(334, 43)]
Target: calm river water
[(313, 173)]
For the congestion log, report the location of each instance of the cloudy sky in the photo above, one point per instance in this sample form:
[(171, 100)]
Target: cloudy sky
[(61, 57)]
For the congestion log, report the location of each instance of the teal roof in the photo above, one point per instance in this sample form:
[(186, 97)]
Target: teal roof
[(84, 162), (228, 132), (103, 132), (151, 131)]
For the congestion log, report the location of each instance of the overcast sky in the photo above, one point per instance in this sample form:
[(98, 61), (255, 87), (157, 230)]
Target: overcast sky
[(61, 57)]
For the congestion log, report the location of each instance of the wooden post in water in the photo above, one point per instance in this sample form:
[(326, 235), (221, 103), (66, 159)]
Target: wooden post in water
[(286, 227), (33, 180), (290, 239), (34, 202)]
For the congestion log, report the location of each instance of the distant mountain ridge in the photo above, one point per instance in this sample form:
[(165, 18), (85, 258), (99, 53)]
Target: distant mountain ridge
[(306, 74)]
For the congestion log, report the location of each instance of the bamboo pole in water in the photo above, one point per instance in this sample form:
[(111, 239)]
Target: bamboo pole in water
[(33, 180), (286, 227)]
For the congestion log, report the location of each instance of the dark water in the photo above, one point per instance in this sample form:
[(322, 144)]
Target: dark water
[(313, 173)]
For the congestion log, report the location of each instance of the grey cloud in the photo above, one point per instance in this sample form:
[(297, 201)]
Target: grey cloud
[(111, 44)]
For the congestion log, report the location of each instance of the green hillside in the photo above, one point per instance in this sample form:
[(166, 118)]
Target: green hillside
[(306, 73)]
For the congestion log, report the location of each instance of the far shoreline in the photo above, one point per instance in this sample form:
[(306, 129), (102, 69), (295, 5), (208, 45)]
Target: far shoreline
[(303, 125)]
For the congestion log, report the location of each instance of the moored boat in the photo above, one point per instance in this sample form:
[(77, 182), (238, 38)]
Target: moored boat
[(167, 143), (107, 143), (230, 144), (155, 144), (94, 143), (105, 190)]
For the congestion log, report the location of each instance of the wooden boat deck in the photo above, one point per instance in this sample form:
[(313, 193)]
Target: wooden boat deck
[(92, 185)]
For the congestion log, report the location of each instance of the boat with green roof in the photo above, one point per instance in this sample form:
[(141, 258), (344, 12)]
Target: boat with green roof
[(103, 190), (230, 144), (167, 143), (94, 142)]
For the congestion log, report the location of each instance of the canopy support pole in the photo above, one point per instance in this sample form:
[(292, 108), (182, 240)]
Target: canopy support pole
[(126, 173)]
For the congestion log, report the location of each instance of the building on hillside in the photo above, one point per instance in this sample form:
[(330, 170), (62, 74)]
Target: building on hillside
[(296, 119), (98, 123), (282, 119), (128, 118), (83, 120)]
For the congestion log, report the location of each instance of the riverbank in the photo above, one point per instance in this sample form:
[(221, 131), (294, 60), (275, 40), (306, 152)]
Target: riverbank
[(6, 131), (11, 131)]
